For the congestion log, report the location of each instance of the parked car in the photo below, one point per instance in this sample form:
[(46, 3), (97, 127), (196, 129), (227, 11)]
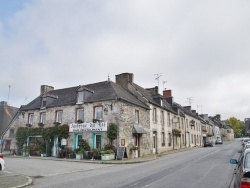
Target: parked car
[(242, 170), (208, 143), (218, 142), (2, 162), (244, 142)]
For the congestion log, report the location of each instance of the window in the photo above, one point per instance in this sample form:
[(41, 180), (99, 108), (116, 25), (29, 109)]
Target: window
[(163, 138), (169, 120), (162, 117), (78, 140), (154, 115), (98, 112), (79, 114), (136, 116), (11, 133), (59, 116), (42, 117), (169, 139), (30, 119), (44, 100), (80, 96)]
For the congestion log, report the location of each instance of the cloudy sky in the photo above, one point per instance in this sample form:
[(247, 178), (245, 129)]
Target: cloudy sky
[(200, 49)]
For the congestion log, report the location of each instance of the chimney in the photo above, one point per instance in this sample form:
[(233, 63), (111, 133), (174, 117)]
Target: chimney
[(124, 79), (45, 89), (3, 103), (167, 93), (204, 116), (187, 108)]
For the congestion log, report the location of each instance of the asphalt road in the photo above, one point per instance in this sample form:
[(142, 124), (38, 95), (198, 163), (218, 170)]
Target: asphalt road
[(201, 167)]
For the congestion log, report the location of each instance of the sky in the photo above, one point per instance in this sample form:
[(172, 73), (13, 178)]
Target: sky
[(198, 49)]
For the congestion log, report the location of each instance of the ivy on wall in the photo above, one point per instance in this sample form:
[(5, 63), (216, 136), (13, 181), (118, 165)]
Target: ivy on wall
[(47, 133)]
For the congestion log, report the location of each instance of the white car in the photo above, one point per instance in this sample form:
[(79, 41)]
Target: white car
[(2, 162)]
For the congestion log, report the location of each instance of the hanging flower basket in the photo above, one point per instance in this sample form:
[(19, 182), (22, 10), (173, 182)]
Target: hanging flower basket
[(28, 125), (40, 124)]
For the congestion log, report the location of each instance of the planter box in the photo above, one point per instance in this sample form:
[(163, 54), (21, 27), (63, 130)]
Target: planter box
[(78, 157), (107, 157)]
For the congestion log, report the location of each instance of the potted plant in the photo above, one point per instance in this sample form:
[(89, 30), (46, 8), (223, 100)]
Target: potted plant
[(79, 154), (108, 154)]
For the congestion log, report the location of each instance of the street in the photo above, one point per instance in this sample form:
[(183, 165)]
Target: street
[(206, 167)]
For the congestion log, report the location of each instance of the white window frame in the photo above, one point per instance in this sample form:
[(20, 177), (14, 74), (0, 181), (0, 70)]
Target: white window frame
[(31, 118), (98, 112), (44, 102), (42, 117), (80, 97), (79, 113), (154, 115), (136, 116), (59, 116)]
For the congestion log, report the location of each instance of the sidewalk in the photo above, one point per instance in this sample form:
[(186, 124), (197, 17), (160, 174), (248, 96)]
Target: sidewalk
[(18, 181)]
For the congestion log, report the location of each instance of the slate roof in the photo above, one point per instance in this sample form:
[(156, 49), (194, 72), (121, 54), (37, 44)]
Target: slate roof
[(6, 115), (102, 91), (152, 98)]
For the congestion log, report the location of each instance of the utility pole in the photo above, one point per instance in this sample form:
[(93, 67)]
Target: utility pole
[(158, 77)]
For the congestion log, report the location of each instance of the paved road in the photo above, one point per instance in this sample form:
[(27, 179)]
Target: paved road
[(200, 167)]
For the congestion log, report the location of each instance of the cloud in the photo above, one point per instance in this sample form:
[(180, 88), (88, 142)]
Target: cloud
[(201, 48)]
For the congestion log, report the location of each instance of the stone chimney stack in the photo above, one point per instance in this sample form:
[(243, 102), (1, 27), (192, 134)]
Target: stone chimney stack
[(124, 79), (45, 89)]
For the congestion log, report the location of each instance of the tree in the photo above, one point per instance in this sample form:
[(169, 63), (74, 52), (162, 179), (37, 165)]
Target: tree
[(112, 133), (237, 125)]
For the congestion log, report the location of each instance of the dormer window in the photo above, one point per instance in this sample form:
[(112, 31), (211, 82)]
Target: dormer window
[(80, 97), (44, 101), (82, 94)]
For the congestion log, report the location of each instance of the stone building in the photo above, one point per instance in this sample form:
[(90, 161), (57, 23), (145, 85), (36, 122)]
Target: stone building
[(99, 102), (147, 122)]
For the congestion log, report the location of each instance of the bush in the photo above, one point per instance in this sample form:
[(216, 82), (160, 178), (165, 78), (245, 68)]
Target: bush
[(84, 145)]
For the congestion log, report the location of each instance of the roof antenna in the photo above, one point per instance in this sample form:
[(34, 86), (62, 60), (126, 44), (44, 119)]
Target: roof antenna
[(157, 77), (190, 100), (163, 84), (108, 78)]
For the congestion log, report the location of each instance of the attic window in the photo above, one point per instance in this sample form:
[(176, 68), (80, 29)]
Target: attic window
[(80, 97), (44, 100)]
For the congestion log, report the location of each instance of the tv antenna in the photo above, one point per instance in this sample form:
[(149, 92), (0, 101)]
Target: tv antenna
[(190, 100), (158, 77), (163, 84)]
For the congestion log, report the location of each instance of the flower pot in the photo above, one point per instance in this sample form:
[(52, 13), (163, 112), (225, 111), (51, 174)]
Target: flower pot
[(79, 156), (107, 157)]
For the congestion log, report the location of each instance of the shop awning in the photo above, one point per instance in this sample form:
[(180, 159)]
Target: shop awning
[(138, 129)]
